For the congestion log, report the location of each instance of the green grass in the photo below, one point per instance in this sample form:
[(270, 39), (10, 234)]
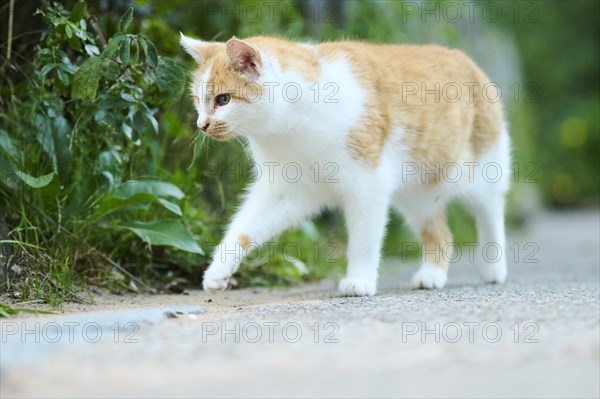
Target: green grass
[(7, 311)]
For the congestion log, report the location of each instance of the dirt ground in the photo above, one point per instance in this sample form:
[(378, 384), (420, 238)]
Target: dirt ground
[(536, 336)]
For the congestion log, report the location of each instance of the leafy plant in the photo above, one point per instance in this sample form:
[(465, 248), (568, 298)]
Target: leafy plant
[(70, 139)]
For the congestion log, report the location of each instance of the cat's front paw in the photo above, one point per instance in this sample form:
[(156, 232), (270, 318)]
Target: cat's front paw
[(493, 273), (355, 286), (215, 280), (429, 277)]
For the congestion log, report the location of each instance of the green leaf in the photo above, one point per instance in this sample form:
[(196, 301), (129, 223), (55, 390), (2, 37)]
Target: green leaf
[(126, 20), (6, 311), (82, 32), (128, 97), (110, 180), (74, 43), (44, 134), (164, 232), (46, 69), (79, 11), (62, 76), (62, 153), (112, 203), (170, 78), (138, 122), (69, 31), (109, 69), (152, 121), (60, 28), (45, 55), (91, 50), (113, 45), (154, 187), (62, 57), (67, 67), (8, 146), (135, 58), (149, 51), (170, 206), (8, 177), (86, 80), (127, 130), (152, 55), (109, 160), (35, 182), (125, 51)]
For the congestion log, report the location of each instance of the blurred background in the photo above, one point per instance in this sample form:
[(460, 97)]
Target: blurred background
[(93, 96)]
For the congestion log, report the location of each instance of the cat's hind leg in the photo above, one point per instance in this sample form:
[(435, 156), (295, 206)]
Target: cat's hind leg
[(485, 199), (488, 209), (424, 211), (435, 239)]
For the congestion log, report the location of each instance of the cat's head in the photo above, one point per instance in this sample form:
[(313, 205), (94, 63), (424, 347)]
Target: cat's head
[(225, 87)]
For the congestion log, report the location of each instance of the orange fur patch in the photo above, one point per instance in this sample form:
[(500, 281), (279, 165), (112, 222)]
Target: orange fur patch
[(435, 237), (223, 79), (441, 126), (290, 55), (244, 241), (368, 137)]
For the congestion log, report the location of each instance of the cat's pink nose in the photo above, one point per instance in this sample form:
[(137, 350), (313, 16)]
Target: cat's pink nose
[(203, 125)]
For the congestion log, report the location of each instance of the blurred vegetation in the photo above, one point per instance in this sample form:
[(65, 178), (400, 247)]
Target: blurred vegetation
[(104, 180)]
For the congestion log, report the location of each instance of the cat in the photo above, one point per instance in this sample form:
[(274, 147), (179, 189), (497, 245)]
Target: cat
[(406, 127)]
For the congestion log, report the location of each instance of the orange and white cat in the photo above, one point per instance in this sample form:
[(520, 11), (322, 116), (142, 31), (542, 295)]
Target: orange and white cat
[(406, 127)]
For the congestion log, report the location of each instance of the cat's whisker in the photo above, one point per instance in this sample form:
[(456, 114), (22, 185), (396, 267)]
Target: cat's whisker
[(196, 134), (244, 147), (202, 142)]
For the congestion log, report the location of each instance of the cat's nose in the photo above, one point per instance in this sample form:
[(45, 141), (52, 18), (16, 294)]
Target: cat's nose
[(203, 125)]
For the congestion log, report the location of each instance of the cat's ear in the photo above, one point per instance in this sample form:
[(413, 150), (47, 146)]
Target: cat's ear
[(244, 58), (195, 48)]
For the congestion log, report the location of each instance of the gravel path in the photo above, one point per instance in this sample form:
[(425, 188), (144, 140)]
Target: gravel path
[(536, 336)]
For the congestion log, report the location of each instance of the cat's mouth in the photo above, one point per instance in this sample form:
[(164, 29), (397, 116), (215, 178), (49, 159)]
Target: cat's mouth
[(222, 136), (219, 131)]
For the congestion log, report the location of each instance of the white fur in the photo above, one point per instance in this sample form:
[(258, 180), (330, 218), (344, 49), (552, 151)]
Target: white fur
[(429, 277), (202, 103), (305, 133), (485, 199)]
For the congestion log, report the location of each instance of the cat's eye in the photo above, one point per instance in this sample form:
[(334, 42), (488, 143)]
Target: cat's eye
[(196, 100), (222, 99)]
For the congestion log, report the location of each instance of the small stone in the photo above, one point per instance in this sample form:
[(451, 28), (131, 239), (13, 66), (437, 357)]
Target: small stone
[(170, 315)]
